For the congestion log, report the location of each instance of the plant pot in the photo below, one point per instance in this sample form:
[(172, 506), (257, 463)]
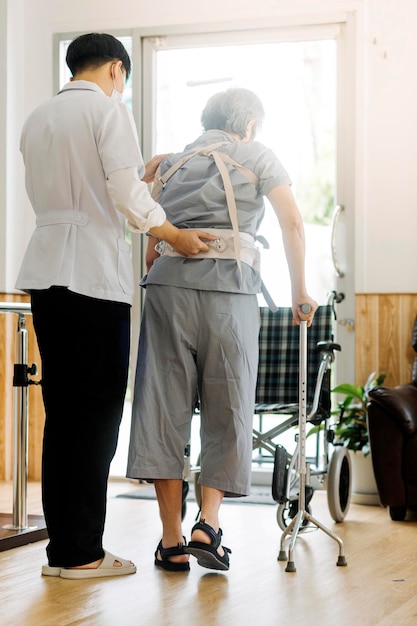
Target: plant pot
[(364, 489)]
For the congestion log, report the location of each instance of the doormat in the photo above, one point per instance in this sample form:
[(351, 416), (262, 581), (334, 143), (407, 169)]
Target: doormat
[(260, 494)]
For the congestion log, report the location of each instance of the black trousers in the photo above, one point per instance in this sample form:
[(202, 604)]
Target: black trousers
[(84, 346)]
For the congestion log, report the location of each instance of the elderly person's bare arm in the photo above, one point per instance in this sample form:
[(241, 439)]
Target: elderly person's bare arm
[(292, 228), (151, 253)]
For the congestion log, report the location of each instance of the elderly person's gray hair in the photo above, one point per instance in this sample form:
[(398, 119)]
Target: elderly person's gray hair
[(232, 110)]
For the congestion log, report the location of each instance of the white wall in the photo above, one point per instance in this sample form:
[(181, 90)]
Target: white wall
[(386, 101), (388, 216), (3, 135), (12, 196)]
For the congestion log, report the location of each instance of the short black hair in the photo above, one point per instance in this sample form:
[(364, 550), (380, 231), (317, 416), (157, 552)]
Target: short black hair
[(231, 110), (94, 50)]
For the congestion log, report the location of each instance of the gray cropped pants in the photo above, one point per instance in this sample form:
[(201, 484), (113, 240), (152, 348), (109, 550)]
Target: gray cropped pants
[(195, 344)]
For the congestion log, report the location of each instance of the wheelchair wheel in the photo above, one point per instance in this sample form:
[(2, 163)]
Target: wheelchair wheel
[(339, 483), (286, 513)]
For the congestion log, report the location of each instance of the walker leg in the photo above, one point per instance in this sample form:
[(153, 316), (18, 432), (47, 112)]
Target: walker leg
[(282, 556), (294, 528), (341, 561)]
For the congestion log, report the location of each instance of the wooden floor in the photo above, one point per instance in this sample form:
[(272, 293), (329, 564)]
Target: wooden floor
[(378, 587)]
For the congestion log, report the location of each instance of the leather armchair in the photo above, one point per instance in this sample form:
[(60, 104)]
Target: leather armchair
[(392, 425)]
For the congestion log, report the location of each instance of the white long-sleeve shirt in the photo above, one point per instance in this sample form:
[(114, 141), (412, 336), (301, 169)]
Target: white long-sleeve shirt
[(83, 167), (129, 192)]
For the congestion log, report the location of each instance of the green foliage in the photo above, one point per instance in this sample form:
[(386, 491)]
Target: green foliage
[(352, 429), (317, 202), (315, 195)]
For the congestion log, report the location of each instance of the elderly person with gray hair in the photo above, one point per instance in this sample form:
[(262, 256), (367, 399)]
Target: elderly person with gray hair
[(200, 325)]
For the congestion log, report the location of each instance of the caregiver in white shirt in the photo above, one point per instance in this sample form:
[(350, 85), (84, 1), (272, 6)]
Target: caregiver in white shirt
[(83, 177)]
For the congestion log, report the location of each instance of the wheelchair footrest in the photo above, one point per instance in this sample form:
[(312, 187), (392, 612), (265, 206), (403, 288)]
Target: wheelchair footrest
[(294, 501), (280, 474)]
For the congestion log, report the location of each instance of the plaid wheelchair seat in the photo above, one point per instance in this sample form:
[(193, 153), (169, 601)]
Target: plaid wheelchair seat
[(277, 384)]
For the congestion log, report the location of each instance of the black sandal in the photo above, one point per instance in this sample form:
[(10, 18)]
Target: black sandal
[(165, 553), (206, 554)]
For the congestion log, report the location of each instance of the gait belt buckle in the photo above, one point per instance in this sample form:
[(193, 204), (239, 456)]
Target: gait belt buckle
[(218, 244)]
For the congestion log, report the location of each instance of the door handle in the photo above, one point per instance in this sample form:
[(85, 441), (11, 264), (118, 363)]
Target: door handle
[(349, 324), (336, 216)]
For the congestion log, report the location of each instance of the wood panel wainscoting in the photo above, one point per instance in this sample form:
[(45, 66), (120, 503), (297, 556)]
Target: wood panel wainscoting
[(8, 331), (383, 322)]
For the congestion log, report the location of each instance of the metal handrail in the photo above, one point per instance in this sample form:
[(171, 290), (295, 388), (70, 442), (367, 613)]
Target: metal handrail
[(15, 307), (336, 216), (20, 436)]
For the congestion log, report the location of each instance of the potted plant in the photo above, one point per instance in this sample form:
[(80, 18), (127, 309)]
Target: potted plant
[(351, 431)]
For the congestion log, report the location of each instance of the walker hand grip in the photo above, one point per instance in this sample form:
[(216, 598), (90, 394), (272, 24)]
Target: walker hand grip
[(305, 308)]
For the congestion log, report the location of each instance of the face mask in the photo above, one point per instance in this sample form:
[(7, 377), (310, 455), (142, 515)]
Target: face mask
[(117, 96)]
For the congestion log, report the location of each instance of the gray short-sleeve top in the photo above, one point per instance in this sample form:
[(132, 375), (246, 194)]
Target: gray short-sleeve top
[(194, 197)]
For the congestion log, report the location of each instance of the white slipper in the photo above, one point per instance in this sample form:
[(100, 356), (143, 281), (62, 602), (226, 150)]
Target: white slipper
[(47, 570), (107, 568)]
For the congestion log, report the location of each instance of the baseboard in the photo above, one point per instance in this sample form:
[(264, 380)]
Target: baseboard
[(371, 499)]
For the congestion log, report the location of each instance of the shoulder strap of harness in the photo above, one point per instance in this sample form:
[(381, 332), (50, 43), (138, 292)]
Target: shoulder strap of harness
[(220, 159), (208, 151)]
